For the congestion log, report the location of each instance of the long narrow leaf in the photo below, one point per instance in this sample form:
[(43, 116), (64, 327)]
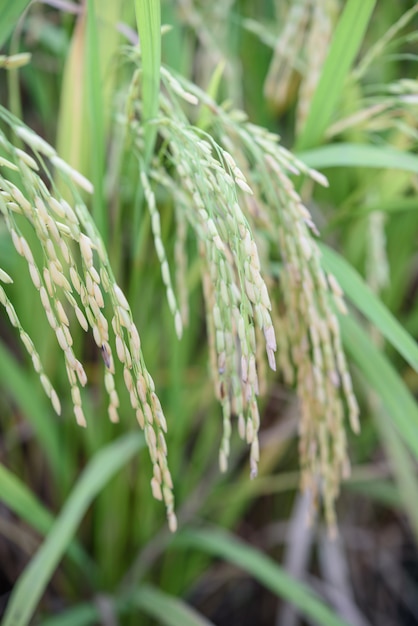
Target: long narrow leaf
[(364, 299), (360, 155), (226, 546), (19, 499), (95, 106), (381, 376), (32, 583), (86, 614), (345, 45), (148, 17), (397, 204), (380, 491), (15, 495), (9, 15), (167, 609), (403, 468), (32, 404)]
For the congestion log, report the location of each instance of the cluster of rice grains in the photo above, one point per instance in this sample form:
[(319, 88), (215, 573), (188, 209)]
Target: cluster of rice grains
[(73, 274), (227, 190), (236, 295)]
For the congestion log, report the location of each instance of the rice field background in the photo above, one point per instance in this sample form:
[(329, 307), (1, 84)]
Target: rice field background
[(208, 331)]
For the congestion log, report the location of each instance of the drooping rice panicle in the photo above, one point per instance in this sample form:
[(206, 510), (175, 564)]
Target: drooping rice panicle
[(71, 271), (227, 185)]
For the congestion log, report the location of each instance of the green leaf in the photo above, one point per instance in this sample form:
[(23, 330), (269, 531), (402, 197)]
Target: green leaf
[(167, 609), (35, 406), (403, 468), (86, 614), (96, 122), (360, 155), (344, 48), (381, 491), (32, 583), (10, 12), (397, 204), (15, 495), (19, 499), (205, 115), (148, 18), (365, 300), (380, 375), (261, 567)]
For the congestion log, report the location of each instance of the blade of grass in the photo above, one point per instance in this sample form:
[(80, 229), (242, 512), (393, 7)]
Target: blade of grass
[(382, 492), (19, 499), (95, 108), (167, 609), (378, 48), (33, 405), (360, 155), (380, 375), (345, 45), (72, 129), (22, 501), (226, 546), (86, 614), (205, 115), (403, 469), (148, 19), (9, 16), (32, 583), (364, 299), (398, 204), (13, 76)]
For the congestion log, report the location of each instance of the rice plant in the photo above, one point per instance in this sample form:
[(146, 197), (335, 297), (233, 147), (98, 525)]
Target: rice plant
[(167, 273)]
